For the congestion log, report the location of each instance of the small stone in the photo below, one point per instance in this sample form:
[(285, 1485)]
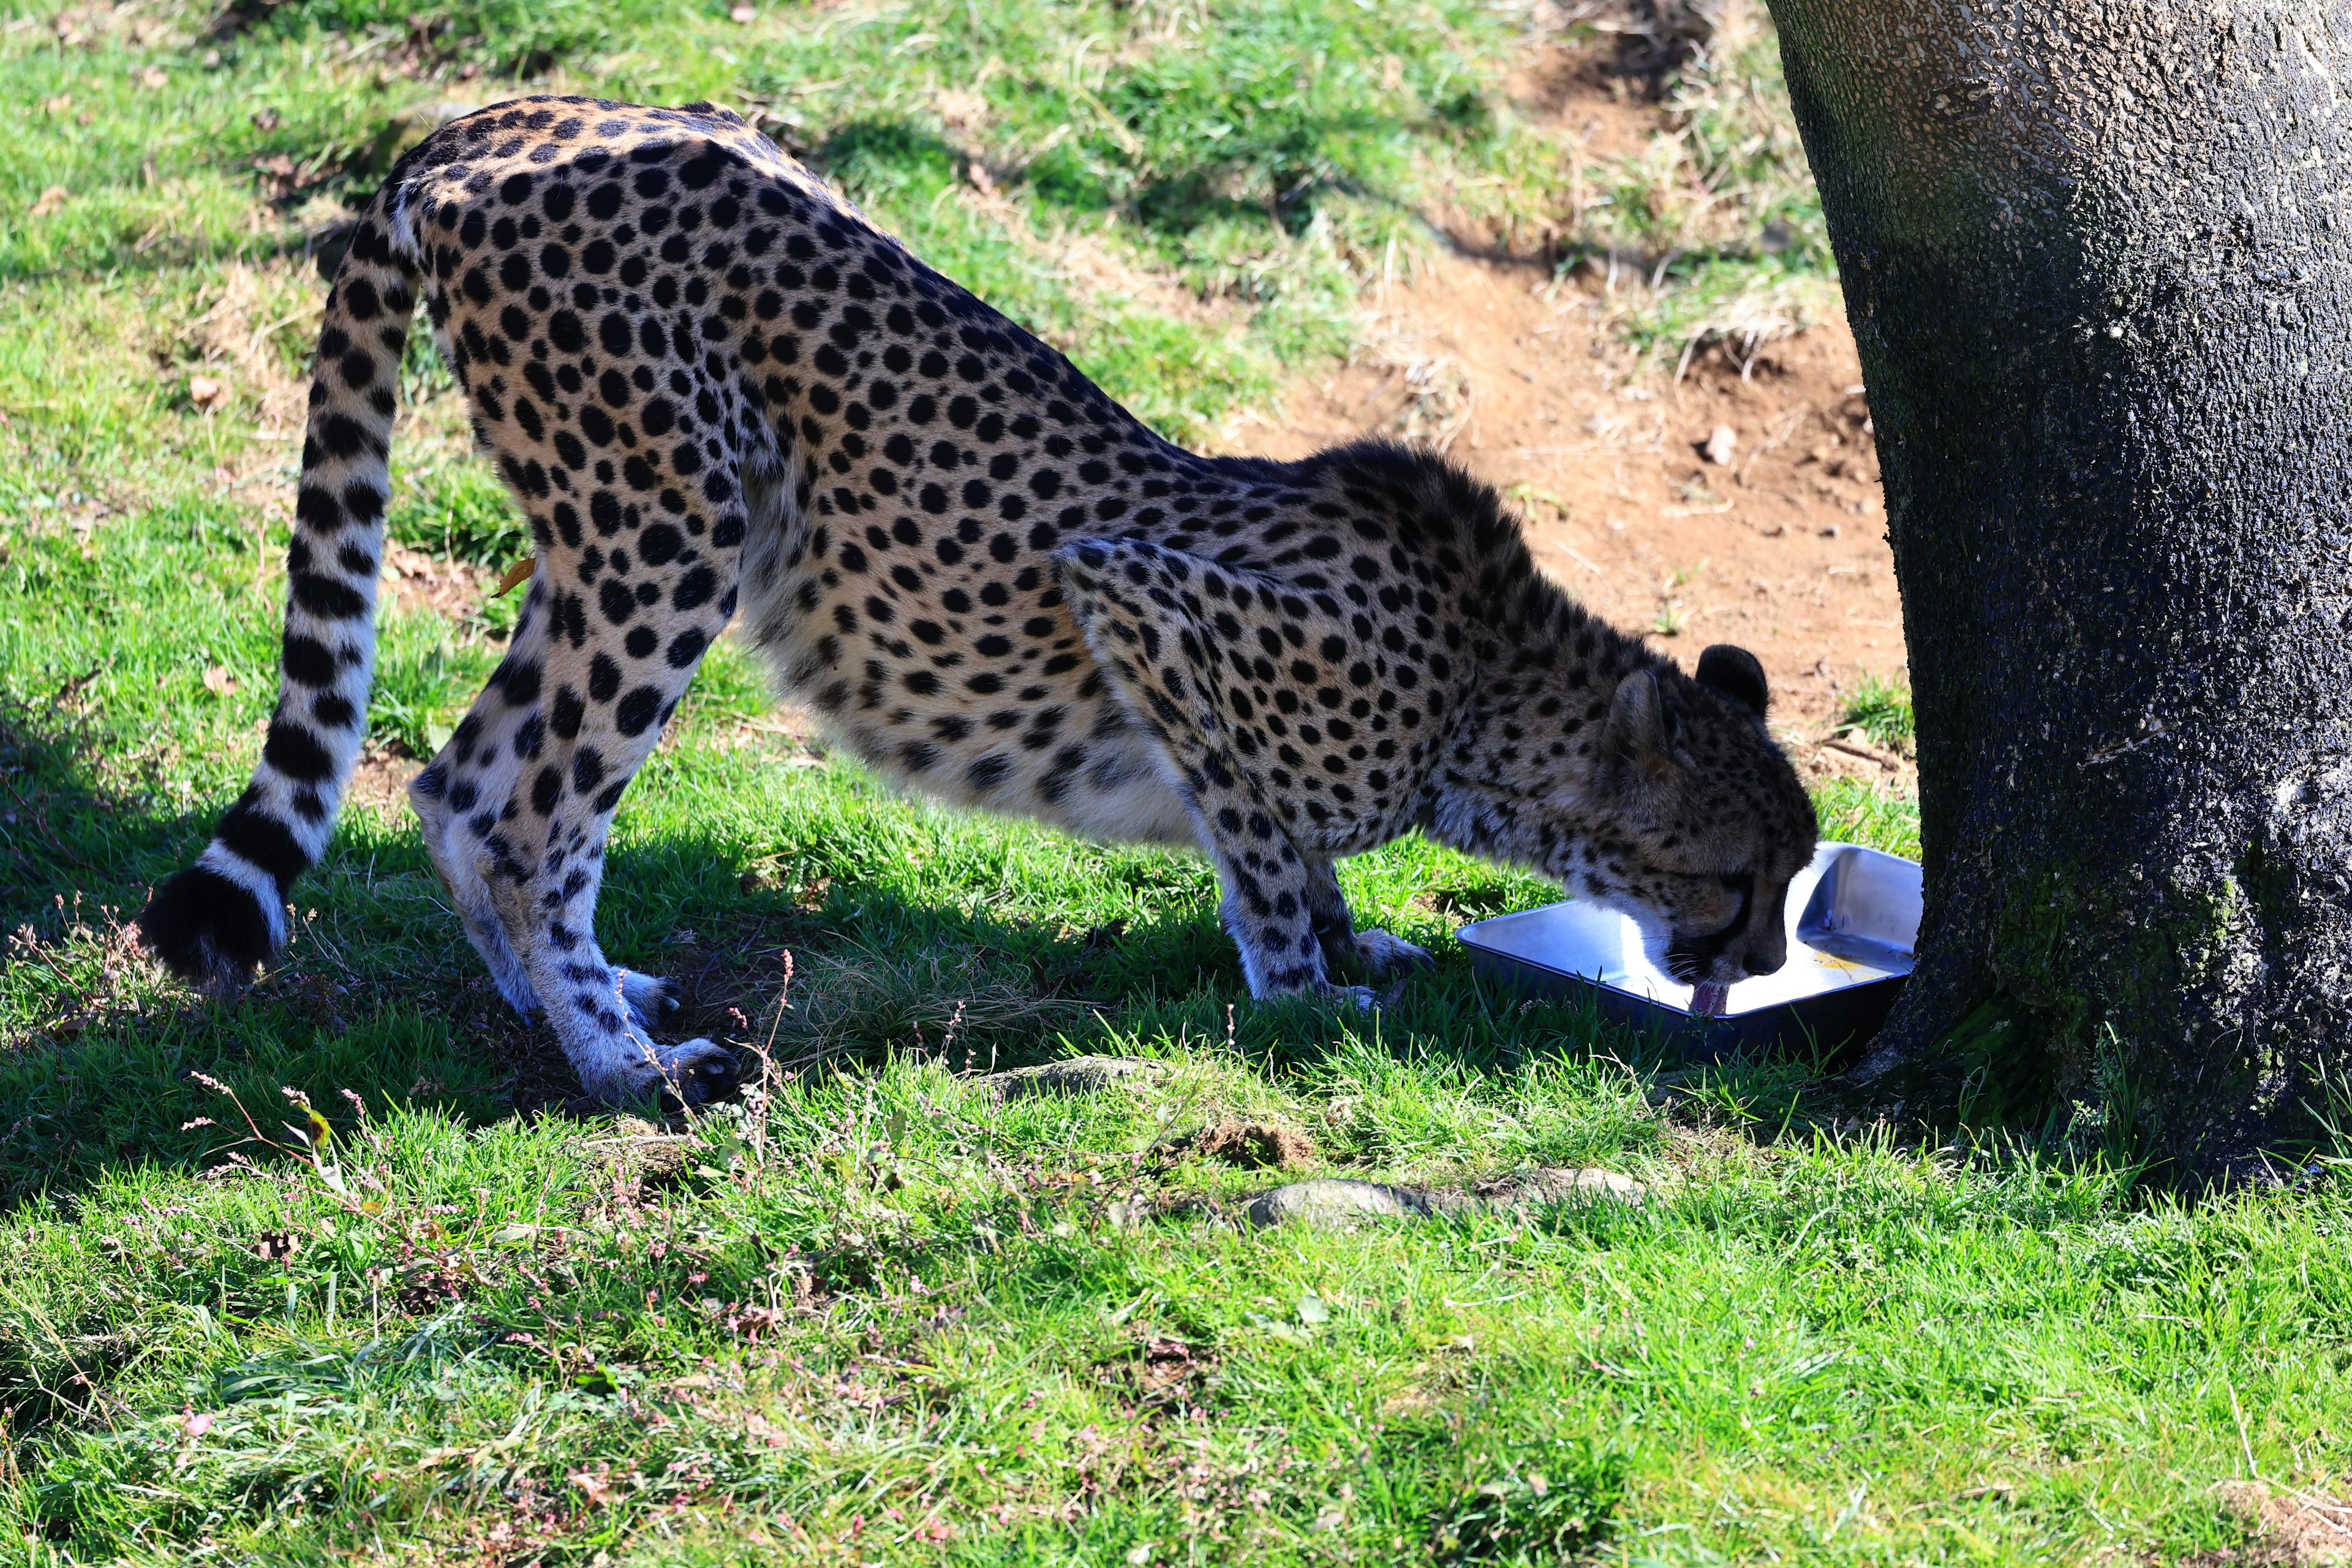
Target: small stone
[(1560, 1185), (1831, 532), (1329, 1202), (1722, 443), (1077, 1075)]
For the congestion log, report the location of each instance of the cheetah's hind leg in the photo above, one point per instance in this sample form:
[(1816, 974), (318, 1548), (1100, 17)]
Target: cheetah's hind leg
[(486, 756), (652, 1000)]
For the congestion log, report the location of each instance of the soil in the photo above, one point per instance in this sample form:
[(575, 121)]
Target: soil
[(1255, 1146), (1632, 497), (1781, 549), (2298, 1528)]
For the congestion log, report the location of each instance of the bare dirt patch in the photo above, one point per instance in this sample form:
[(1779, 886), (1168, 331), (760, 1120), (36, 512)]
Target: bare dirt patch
[(1729, 494), (2296, 1527), (1255, 1146), (1774, 538), (379, 781), (1584, 88)]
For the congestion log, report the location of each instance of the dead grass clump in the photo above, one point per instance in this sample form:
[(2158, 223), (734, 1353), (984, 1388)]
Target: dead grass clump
[(952, 1004), (253, 336), (1437, 397), (1255, 1146)]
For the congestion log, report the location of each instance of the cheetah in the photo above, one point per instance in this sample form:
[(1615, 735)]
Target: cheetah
[(716, 390)]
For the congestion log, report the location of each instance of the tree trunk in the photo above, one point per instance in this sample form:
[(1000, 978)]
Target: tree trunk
[(2096, 256)]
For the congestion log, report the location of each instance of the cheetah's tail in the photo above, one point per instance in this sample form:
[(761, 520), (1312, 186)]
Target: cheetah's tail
[(215, 921)]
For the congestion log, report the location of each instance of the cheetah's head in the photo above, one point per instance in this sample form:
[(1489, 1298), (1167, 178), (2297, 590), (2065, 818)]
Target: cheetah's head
[(1703, 820)]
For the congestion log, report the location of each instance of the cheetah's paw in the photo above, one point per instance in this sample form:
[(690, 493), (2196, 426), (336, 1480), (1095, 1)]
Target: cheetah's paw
[(651, 1000), (697, 1071), (1384, 954)]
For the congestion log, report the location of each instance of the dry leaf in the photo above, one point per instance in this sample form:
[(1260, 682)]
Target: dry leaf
[(219, 682), (52, 202), (207, 392), (516, 574), (265, 120), (274, 1246), (741, 14), (153, 76)]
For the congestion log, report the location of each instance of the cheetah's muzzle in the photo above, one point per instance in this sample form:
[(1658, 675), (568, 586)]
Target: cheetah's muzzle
[(715, 389)]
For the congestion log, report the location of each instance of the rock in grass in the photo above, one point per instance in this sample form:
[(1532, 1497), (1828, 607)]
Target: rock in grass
[(1337, 1202), (1328, 1202), (1077, 1075), (1547, 1184)]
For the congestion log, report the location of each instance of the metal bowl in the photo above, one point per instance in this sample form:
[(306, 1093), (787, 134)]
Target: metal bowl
[(1854, 915)]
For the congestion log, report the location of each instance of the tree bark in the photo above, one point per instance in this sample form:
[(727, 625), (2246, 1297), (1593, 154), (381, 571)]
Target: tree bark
[(2096, 257)]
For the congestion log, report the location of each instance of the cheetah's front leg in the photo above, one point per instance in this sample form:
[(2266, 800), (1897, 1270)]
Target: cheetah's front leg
[(1345, 948), (1281, 904)]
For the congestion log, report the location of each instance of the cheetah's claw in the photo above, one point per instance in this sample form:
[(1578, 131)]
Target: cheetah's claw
[(693, 1072), (697, 1071)]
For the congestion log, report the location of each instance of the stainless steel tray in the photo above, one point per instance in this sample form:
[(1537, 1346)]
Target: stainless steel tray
[(1854, 915)]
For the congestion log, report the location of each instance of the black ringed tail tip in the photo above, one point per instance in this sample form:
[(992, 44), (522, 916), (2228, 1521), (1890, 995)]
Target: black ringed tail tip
[(207, 930)]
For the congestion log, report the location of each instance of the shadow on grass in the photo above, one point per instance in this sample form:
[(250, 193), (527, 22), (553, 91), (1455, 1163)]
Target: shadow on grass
[(380, 997), (64, 833)]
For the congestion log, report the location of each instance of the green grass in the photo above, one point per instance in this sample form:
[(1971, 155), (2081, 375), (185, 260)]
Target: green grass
[(1880, 708), (879, 1315)]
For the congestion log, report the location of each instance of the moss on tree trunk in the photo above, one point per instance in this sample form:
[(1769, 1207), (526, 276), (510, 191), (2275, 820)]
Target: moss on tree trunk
[(2096, 257)]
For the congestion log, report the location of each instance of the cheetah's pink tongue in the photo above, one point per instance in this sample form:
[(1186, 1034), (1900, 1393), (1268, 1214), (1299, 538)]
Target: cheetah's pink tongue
[(1708, 1001)]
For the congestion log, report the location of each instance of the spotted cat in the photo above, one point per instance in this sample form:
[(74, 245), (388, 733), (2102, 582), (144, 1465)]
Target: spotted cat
[(717, 390)]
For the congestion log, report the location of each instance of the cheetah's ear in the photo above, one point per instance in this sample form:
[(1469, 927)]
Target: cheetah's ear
[(1640, 723), (1735, 673)]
